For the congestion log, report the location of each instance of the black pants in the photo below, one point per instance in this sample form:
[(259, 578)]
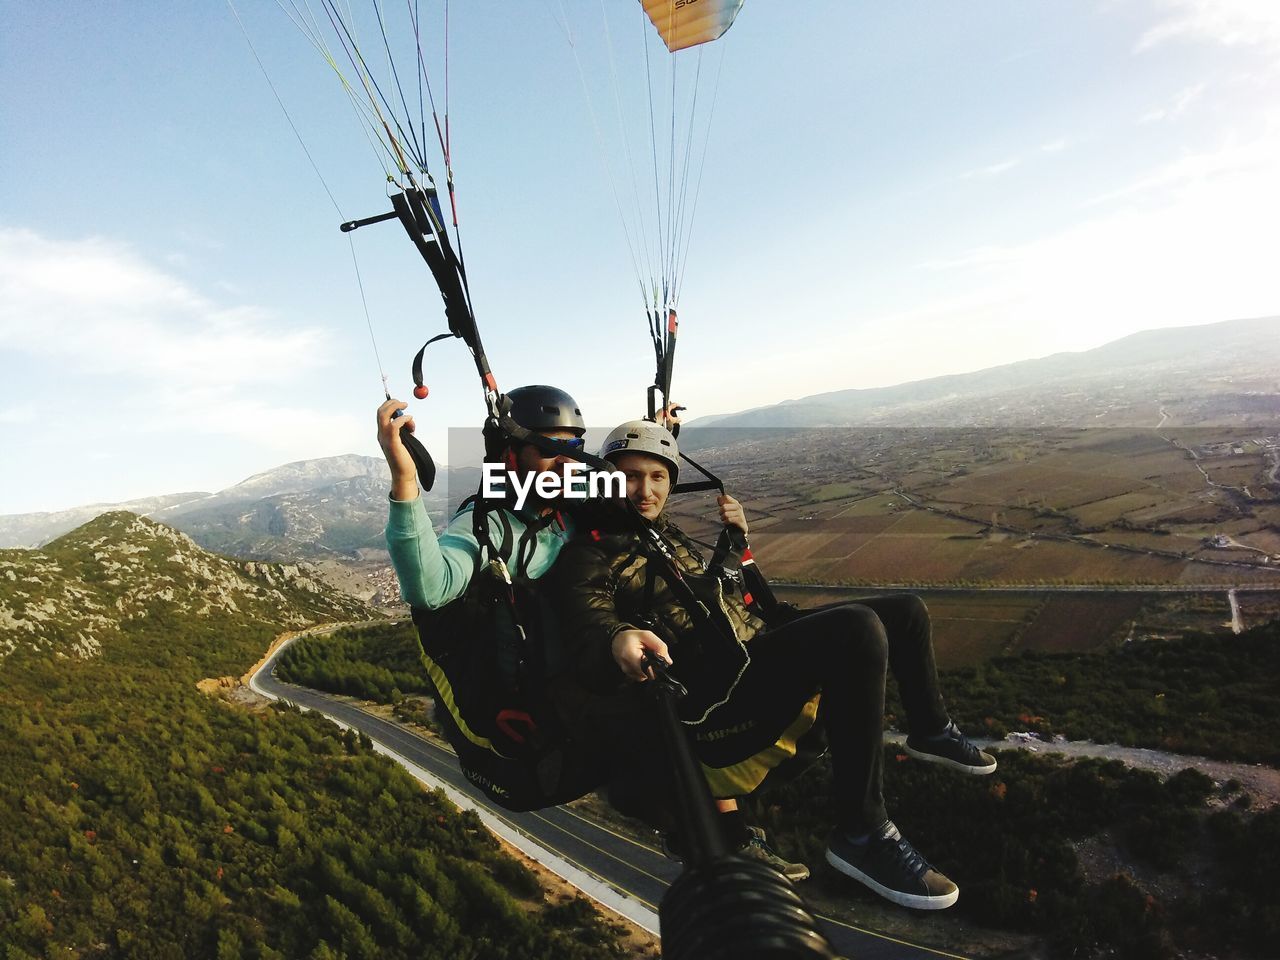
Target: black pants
[(843, 650)]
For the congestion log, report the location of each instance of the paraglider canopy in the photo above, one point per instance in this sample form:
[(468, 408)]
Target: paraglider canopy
[(687, 23)]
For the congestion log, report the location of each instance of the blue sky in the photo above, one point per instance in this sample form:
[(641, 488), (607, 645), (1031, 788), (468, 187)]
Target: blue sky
[(892, 191)]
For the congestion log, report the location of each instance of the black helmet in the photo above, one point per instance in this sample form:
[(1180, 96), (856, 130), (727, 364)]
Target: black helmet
[(539, 407)]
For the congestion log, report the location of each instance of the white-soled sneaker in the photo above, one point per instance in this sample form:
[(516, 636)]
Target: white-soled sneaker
[(891, 866), (952, 749)]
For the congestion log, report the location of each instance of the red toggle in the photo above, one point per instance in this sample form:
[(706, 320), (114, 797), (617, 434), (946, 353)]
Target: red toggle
[(506, 715)]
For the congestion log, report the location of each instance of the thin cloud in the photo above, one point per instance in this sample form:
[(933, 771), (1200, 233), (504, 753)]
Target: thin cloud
[(1004, 166), (1256, 159), (994, 170), (94, 305), (1177, 106), (978, 258), (1195, 251), (168, 387), (13, 416), (1227, 22)]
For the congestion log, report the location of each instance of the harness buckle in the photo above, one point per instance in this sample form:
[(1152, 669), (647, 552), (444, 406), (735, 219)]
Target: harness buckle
[(727, 574), (500, 570)]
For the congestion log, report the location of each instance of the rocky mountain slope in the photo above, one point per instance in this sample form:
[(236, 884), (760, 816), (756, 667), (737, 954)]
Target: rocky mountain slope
[(34, 529), (121, 573), (332, 507)]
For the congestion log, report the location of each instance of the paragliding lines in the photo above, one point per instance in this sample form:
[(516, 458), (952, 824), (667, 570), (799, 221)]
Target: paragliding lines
[(702, 162), (653, 143), (355, 262), (358, 62), (658, 232), (420, 153)]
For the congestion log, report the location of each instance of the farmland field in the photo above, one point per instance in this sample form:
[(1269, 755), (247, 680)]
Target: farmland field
[(1202, 573), (962, 642), (971, 625), (1267, 539), (967, 508), (873, 506), (1069, 623), (1110, 509), (1234, 469), (1040, 484), (1144, 539), (834, 491), (1256, 608)]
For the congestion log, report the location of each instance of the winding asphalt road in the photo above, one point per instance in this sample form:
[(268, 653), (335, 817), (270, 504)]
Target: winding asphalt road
[(628, 877)]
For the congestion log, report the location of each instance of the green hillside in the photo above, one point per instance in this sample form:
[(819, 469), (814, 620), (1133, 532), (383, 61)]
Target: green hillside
[(124, 575), (1090, 857), (140, 818)]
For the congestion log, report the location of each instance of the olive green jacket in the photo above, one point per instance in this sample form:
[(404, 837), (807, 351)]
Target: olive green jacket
[(599, 589)]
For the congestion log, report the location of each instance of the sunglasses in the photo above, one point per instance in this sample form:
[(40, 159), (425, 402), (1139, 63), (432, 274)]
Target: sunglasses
[(572, 443)]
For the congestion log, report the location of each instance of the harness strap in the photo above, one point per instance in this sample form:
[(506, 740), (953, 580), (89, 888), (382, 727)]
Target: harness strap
[(697, 486), (529, 539), (480, 510), (417, 357), (552, 448), (480, 554), (508, 535), (514, 722), (732, 542), (647, 602), (428, 236)]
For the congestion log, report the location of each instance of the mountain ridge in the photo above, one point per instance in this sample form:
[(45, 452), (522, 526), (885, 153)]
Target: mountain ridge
[(333, 509), (120, 572), (1230, 347), (302, 510)]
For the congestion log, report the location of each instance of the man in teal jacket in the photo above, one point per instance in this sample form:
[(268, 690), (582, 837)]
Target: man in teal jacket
[(489, 681), (433, 571)]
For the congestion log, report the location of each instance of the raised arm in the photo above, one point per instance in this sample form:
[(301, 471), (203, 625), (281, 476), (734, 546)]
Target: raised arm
[(432, 571)]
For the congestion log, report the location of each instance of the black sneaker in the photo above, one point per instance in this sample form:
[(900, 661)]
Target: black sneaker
[(890, 866), (953, 749), (758, 848)]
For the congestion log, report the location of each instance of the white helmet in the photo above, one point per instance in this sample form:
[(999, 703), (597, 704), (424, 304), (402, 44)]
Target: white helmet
[(643, 436)]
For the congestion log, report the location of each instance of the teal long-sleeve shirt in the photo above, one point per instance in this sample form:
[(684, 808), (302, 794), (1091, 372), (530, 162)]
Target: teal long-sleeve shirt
[(434, 570)]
